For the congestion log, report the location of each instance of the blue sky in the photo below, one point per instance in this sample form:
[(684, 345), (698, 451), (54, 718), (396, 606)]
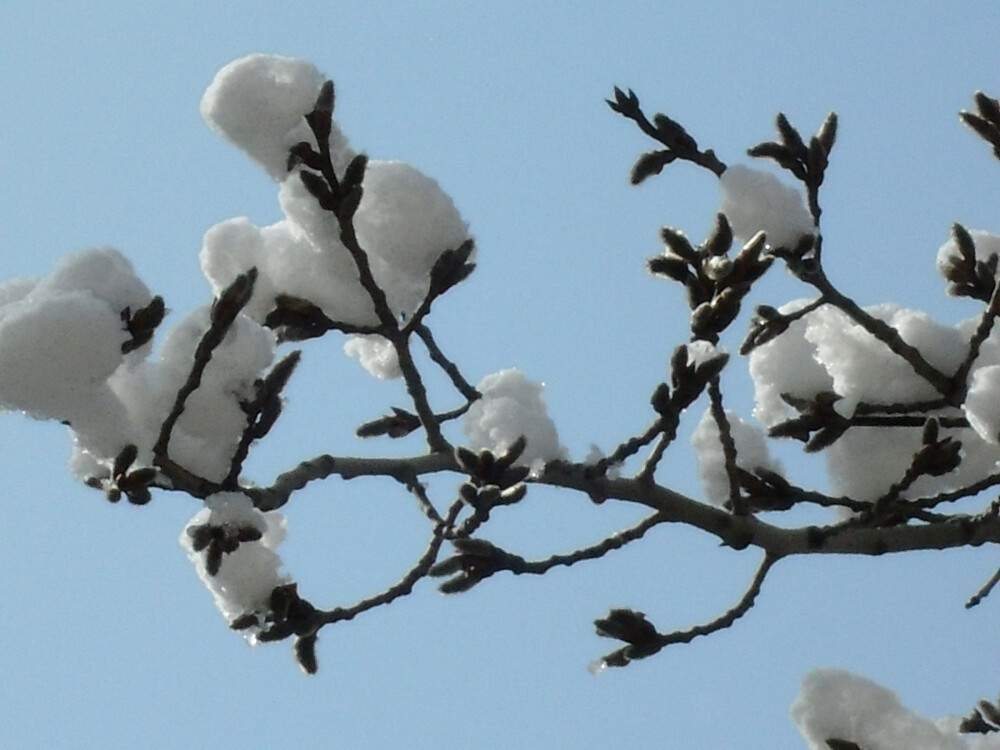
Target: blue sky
[(111, 641)]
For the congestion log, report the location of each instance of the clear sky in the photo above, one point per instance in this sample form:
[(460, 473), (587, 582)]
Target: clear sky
[(110, 639)]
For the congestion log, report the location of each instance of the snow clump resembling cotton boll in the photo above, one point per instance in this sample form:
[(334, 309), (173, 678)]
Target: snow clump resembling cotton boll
[(12, 290), (56, 352), (865, 369), (754, 200), (751, 452), (246, 577), (259, 103), (406, 220), (864, 462), (376, 354), (986, 243), (231, 248), (786, 364), (288, 263), (512, 406), (982, 403), (104, 272), (834, 704)]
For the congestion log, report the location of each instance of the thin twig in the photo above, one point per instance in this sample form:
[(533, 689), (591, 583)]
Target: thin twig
[(624, 655), (323, 466), (628, 448), (450, 368), (404, 586), (612, 542), (980, 335), (984, 591), (225, 310), (736, 499), (884, 333), (731, 615)]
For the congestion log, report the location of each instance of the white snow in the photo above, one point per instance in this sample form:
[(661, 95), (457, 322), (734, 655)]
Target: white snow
[(376, 354), (513, 406), (751, 448), (834, 704), (754, 200), (786, 364), (259, 102), (865, 369), (982, 403), (247, 576), (406, 219)]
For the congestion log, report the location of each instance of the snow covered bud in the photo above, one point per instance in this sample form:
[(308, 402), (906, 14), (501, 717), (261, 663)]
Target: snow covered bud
[(123, 479), (63, 336), (968, 262), (232, 545), (692, 366), (837, 709)]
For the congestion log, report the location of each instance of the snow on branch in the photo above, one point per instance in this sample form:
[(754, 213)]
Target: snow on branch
[(905, 409)]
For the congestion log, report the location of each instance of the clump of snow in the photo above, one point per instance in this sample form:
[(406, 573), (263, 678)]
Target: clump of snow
[(259, 103), (866, 461), (405, 217), (751, 450), (104, 272), (754, 200), (57, 352), (61, 336), (231, 248), (247, 576), (786, 364), (12, 290), (595, 455), (377, 355), (982, 403), (834, 704), (513, 406), (826, 351), (403, 222), (865, 369)]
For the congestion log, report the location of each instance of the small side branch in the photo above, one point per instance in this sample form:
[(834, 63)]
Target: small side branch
[(451, 370), (404, 586), (984, 591), (731, 615), (884, 333), (321, 467), (643, 640), (593, 552)]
